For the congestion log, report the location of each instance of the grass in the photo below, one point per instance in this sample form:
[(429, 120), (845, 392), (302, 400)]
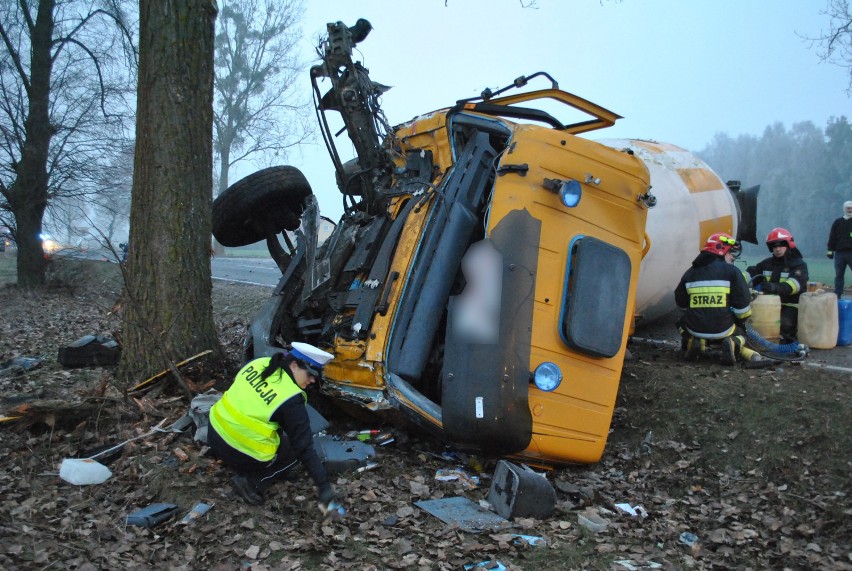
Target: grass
[(258, 250), (8, 270), (821, 270), (769, 422)]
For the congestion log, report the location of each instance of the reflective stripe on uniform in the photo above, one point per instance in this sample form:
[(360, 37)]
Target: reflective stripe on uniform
[(722, 335), (793, 283), (708, 293), (743, 313)]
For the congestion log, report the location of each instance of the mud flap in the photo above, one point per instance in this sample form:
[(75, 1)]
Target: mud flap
[(485, 386)]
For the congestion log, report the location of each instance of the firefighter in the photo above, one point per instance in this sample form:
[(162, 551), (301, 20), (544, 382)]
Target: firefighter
[(260, 427), (784, 274), (717, 301)]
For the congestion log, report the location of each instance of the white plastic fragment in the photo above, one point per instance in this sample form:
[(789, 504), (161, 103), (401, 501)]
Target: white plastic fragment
[(630, 510), (83, 472), (592, 521)]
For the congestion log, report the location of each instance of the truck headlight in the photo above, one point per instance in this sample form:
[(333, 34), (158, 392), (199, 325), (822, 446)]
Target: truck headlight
[(570, 192), (547, 376)]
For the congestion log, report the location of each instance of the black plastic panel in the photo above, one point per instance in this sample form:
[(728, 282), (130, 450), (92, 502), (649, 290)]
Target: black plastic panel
[(446, 239), (595, 299), (485, 387)]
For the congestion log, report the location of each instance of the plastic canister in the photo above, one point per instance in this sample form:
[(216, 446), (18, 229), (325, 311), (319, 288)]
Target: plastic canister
[(844, 321), (82, 471), (818, 326), (766, 316)]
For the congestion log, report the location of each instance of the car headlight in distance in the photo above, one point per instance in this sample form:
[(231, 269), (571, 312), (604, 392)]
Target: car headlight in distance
[(547, 376), (570, 192)]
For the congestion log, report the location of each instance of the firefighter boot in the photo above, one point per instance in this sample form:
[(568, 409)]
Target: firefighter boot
[(729, 351), (695, 348), (752, 359)]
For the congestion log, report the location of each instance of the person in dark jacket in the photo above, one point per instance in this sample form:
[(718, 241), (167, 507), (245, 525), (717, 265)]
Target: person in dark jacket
[(261, 427), (784, 274), (840, 246), (717, 301)]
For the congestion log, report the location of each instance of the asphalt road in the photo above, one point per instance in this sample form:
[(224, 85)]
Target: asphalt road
[(252, 271)]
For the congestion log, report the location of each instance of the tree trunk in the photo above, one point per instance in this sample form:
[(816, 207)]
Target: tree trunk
[(168, 312), (28, 194)]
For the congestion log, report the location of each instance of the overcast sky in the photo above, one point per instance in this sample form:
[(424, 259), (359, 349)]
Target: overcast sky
[(678, 71)]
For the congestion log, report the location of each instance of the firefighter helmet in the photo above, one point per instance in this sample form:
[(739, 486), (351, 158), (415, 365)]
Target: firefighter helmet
[(780, 235), (720, 244)]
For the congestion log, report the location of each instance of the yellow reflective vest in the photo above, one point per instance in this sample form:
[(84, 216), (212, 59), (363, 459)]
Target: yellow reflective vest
[(242, 417)]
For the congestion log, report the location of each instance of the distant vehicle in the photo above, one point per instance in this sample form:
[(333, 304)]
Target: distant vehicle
[(48, 244), (6, 241), (482, 281)]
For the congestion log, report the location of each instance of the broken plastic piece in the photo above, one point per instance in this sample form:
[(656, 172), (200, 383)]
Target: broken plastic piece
[(19, 365), (342, 455), (592, 521), (688, 538), (630, 510), (90, 350), (490, 564), (196, 512), (83, 471), (199, 413), (383, 439), (450, 474), (151, 515), (530, 539), (519, 491), (334, 510), (463, 513), (368, 466)]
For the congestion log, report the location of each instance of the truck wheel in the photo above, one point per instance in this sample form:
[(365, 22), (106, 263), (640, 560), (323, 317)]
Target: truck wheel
[(271, 199)]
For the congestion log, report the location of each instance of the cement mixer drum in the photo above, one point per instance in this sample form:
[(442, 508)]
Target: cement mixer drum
[(692, 203)]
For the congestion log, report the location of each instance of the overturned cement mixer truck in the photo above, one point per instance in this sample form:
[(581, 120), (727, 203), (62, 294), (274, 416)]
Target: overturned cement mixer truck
[(489, 265)]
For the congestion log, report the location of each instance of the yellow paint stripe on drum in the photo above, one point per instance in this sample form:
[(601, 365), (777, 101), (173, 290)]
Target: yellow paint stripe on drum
[(699, 179), (707, 227)]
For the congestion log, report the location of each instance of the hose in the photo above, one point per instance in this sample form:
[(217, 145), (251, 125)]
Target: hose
[(781, 351)]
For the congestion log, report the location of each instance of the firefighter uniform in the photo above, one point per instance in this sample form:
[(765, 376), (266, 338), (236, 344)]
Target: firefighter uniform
[(716, 297), (783, 275)]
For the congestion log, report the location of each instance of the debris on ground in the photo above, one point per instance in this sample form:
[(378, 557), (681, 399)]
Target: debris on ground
[(753, 464)]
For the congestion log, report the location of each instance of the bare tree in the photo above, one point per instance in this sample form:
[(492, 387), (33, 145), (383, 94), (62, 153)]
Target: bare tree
[(110, 209), (835, 44), (258, 114), (63, 65), (168, 314)]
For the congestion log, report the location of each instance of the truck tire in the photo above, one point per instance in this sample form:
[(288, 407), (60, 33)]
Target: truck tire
[(271, 199)]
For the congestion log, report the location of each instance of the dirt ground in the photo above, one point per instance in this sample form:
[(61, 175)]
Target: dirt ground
[(733, 469)]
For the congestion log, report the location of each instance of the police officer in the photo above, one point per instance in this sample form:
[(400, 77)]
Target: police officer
[(261, 428), (717, 301), (784, 274)]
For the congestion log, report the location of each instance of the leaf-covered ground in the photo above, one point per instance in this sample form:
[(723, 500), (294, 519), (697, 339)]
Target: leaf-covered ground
[(735, 469)]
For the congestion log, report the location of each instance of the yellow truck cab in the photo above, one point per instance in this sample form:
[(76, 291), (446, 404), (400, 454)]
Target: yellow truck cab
[(481, 283)]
